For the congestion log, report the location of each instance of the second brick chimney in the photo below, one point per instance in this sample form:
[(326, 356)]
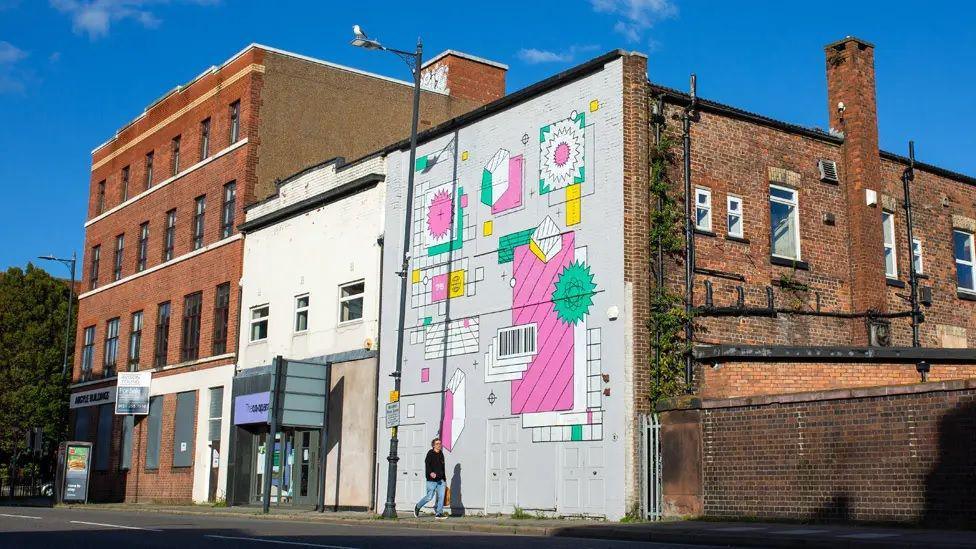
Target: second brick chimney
[(852, 106), (464, 76)]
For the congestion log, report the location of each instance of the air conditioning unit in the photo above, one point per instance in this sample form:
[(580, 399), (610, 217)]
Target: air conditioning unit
[(828, 171), (879, 332)]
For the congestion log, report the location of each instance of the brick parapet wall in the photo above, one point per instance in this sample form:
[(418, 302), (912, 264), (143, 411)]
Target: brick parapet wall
[(889, 454), (637, 273)]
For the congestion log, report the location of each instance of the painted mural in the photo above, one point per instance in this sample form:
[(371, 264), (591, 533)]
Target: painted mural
[(546, 351), (515, 259)]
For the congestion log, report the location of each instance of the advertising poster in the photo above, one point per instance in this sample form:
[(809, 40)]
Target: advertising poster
[(77, 463)]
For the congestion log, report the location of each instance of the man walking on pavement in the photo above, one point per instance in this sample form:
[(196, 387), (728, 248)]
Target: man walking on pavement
[(436, 480)]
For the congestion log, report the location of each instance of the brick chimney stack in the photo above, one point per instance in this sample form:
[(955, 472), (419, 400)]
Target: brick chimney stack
[(852, 107), (464, 76)]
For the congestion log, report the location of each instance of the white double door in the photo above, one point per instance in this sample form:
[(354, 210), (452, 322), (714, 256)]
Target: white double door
[(503, 465), (412, 449), (582, 485)]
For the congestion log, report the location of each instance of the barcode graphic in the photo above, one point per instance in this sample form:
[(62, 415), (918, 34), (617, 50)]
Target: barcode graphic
[(516, 341)]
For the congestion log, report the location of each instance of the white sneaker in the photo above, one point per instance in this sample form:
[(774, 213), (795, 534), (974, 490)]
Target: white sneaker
[(441, 516), (416, 511)]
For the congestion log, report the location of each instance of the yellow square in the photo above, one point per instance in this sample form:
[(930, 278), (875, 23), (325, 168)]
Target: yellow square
[(486, 228), (455, 285), (594, 105), (464, 155), (394, 396), (416, 276)]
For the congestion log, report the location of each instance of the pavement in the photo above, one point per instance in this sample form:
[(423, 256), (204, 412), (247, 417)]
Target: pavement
[(362, 530), (94, 527)]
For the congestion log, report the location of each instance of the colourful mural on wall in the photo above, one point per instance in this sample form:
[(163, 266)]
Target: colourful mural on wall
[(545, 351)]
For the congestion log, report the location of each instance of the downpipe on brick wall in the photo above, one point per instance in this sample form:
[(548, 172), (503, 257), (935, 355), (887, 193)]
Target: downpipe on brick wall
[(917, 317), (657, 119), (690, 115)]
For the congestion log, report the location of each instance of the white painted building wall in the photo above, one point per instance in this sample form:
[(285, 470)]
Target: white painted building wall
[(506, 446), (313, 253)]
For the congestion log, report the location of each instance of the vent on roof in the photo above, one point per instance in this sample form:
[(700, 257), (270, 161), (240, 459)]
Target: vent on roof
[(828, 171)]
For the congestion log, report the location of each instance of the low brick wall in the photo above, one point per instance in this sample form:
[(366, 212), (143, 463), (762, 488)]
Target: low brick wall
[(887, 454)]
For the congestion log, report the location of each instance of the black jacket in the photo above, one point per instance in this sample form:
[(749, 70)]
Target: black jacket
[(434, 463)]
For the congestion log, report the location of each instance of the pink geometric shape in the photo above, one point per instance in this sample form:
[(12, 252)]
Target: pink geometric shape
[(547, 384), (464, 201), (440, 214), (467, 322), (424, 375), (589, 416), (448, 418), (561, 155), (439, 290), (512, 197)]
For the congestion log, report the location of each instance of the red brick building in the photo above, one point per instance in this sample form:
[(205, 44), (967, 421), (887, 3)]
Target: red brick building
[(163, 254), (801, 284)]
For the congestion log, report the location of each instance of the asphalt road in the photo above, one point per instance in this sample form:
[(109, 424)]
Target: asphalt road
[(37, 528)]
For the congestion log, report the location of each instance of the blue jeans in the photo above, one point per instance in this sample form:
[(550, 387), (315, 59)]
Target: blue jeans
[(438, 487)]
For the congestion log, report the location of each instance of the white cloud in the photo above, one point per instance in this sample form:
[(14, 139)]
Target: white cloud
[(535, 56), (636, 16), (95, 17), (11, 76)]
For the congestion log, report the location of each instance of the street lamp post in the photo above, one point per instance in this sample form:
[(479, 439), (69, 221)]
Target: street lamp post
[(413, 60), (70, 263)]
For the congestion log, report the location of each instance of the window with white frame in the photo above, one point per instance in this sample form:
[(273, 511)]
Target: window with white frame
[(784, 222), (962, 245), (917, 256), (890, 257), (734, 215), (301, 313), (259, 322), (351, 301), (703, 209)]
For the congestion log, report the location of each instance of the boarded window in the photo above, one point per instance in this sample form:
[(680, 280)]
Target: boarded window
[(82, 416), (125, 449), (186, 411), (155, 431), (103, 438)]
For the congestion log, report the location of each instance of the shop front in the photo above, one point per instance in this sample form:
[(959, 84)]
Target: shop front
[(290, 466)]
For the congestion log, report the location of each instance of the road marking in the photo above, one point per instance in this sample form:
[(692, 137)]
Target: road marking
[(20, 516), (282, 542), (114, 526), (869, 535)]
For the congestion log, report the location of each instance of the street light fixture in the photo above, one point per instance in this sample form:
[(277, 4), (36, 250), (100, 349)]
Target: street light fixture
[(414, 60), (70, 264)]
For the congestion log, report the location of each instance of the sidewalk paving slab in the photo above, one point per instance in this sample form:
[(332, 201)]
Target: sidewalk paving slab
[(695, 532)]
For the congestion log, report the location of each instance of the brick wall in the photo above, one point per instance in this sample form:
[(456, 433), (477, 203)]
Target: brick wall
[(637, 273), (842, 255), (898, 454)]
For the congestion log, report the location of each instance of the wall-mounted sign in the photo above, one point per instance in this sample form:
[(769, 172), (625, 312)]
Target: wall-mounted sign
[(93, 397), (76, 462), (252, 408), (133, 393)]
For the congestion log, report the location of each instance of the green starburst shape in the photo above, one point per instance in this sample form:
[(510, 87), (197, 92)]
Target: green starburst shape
[(573, 295)]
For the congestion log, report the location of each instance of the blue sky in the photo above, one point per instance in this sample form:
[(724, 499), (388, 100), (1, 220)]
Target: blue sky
[(73, 71)]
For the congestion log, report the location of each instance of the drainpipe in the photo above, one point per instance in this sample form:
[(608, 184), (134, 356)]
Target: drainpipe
[(686, 120), (376, 382), (906, 178)]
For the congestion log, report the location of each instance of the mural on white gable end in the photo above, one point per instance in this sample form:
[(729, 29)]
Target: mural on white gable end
[(515, 258)]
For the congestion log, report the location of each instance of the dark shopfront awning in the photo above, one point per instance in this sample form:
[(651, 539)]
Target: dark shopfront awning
[(790, 353)]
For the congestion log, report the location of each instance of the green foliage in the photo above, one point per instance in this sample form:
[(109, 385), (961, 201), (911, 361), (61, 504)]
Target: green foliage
[(33, 393), (520, 514), (668, 315)]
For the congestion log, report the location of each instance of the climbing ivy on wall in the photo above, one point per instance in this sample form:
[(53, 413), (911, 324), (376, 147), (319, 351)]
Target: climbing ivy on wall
[(668, 316)]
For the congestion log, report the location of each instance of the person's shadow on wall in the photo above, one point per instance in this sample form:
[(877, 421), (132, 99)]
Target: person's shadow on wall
[(950, 487), (457, 504)]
